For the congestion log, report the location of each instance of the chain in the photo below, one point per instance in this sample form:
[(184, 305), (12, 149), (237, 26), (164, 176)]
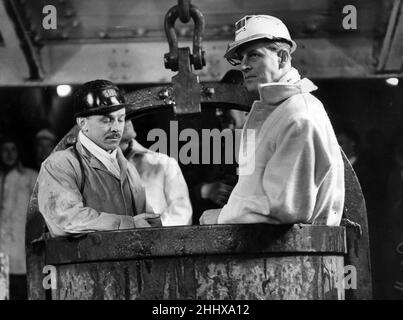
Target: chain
[(184, 11)]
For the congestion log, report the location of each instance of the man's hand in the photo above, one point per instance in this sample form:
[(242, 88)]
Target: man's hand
[(210, 216), (145, 220), (218, 192)]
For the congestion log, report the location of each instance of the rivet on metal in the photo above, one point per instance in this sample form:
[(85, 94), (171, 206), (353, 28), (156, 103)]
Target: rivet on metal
[(163, 94), (102, 35), (209, 92), (97, 239), (113, 64), (76, 23), (140, 31), (69, 12)]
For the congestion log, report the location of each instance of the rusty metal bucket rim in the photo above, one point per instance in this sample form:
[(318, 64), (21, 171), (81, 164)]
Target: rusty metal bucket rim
[(205, 240)]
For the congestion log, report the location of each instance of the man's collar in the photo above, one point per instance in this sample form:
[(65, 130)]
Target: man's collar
[(290, 84), (93, 147), (101, 159)]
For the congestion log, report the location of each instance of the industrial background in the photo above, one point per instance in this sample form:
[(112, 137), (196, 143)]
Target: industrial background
[(358, 71)]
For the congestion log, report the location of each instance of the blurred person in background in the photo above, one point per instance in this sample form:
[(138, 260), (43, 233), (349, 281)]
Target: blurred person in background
[(45, 142), (349, 141), (218, 180), (16, 185), (369, 178), (165, 186)]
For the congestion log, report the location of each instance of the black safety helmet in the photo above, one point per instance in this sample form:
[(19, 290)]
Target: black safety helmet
[(98, 97)]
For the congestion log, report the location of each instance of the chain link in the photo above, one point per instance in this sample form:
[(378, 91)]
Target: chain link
[(197, 58), (184, 10)]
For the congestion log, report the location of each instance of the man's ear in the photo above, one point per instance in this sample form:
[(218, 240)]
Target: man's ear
[(284, 57), (81, 122)]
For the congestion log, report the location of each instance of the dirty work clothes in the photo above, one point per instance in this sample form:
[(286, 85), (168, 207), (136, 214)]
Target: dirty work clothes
[(15, 191), (105, 203), (298, 173), (166, 189)]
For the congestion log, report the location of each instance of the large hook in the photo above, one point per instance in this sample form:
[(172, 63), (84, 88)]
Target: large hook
[(197, 58)]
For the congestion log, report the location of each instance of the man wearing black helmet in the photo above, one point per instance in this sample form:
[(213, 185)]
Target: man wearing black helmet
[(90, 186)]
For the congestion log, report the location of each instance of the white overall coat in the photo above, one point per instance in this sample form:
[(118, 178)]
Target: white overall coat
[(293, 171)]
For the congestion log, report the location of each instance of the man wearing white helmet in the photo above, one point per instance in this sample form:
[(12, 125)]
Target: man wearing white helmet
[(298, 174)]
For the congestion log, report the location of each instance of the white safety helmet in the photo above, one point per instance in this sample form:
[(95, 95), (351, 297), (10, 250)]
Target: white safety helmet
[(254, 27)]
